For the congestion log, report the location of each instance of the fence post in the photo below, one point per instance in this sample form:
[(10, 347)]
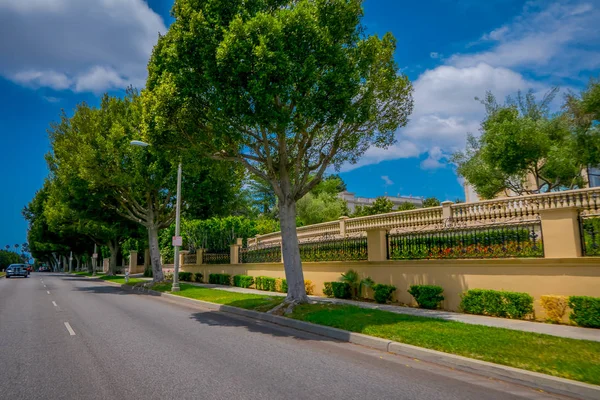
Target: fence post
[(182, 255), (132, 262), (199, 254), (377, 244), (343, 219), (561, 235), (447, 210), (234, 252)]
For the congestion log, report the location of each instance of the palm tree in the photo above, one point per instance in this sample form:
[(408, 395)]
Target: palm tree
[(16, 247)]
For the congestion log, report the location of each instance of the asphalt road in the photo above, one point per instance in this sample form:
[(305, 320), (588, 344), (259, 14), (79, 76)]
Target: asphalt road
[(66, 337)]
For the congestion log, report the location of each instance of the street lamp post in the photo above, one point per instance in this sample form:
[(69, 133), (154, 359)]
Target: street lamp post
[(175, 286)]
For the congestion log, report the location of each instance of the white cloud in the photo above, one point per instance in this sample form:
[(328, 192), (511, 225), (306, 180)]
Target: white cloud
[(434, 55), (433, 160), (387, 180), (72, 44), (536, 50), (374, 155), (51, 99), (52, 79)]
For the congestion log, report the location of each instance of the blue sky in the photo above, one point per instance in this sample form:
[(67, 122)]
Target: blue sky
[(62, 52)]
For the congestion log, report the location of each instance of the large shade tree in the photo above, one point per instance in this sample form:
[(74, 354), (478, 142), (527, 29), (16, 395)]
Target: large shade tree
[(522, 149), (137, 183), (286, 88)]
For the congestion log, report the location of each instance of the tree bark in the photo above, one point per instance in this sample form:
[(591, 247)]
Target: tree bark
[(157, 273), (78, 263), (291, 253), (113, 246)]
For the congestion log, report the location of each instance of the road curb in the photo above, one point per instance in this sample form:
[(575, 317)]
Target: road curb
[(531, 379)]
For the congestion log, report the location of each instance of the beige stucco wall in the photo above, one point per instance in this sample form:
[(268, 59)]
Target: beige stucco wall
[(534, 276)]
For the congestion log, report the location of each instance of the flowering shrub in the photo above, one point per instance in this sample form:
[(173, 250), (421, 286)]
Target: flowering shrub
[(555, 307)]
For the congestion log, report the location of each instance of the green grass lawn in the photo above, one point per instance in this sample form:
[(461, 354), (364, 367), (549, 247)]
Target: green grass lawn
[(242, 300), (566, 358), (2, 274), (82, 273), (119, 279)]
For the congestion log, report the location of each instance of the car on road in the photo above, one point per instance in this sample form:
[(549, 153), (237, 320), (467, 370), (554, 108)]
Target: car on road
[(17, 270)]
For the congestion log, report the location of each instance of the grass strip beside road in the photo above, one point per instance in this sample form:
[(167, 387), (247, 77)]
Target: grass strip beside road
[(566, 358), (2, 274), (119, 279), (247, 301)]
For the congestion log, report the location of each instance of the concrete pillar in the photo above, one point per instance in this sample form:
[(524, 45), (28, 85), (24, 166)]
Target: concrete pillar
[(199, 256), (447, 210), (377, 244), (182, 255), (343, 219), (561, 232), (132, 262), (234, 252)]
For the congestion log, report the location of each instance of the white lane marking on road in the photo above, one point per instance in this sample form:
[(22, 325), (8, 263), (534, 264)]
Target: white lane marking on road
[(44, 285), (71, 331), (54, 303), (47, 291)]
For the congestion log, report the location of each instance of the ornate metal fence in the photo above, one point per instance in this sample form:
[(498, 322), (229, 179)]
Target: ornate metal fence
[(190, 259), (140, 258), (590, 234), (216, 257), (261, 254), (521, 239), (335, 249)]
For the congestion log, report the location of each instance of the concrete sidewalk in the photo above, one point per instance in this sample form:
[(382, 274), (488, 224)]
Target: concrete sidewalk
[(572, 332)]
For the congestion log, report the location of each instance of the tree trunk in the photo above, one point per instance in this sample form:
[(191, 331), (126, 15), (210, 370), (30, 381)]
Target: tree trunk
[(157, 273), (77, 263), (291, 253), (113, 246)]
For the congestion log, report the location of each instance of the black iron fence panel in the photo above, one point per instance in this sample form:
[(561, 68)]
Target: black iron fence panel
[(495, 241), (336, 249), (140, 258), (190, 258), (217, 257), (260, 254), (590, 235)]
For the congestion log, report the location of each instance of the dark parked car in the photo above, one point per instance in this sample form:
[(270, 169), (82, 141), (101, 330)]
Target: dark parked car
[(17, 270)]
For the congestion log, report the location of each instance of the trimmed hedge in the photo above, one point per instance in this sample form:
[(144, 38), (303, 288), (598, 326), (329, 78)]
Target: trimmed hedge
[(383, 293), (185, 276), (586, 311), (339, 290), (198, 277), (427, 296), (497, 303), (264, 283), (243, 281), (281, 285), (220, 279)]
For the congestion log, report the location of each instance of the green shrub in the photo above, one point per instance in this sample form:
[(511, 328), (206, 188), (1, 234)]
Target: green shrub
[(264, 283), (327, 289), (220, 279), (243, 281), (383, 293), (198, 277), (148, 273), (586, 311), (427, 296), (497, 303), (341, 290), (185, 276), (281, 285)]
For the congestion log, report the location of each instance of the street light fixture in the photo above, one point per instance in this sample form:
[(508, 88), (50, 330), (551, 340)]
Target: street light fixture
[(175, 286)]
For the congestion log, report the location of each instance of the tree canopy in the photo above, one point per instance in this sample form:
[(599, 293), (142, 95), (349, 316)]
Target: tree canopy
[(285, 88), (524, 149)]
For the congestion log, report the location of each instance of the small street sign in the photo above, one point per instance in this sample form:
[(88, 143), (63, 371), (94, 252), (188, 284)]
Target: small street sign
[(177, 241), (95, 255)]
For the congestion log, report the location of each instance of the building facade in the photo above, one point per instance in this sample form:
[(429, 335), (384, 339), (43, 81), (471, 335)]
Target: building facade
[(354, 201)]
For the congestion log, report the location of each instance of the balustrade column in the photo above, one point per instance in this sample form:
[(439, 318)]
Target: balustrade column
[(234, 252)]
